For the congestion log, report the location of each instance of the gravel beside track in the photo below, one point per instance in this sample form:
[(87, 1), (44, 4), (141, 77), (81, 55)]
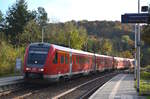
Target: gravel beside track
[(22, 91)]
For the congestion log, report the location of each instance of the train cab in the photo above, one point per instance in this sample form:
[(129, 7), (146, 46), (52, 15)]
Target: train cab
[(35, 59)]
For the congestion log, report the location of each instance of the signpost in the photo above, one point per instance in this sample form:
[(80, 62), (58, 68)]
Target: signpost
[(136, 18), (18, 64)]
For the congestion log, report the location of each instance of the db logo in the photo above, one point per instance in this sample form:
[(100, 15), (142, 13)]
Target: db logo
[(33, 69)]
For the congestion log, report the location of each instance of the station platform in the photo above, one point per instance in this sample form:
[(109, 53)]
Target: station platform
[(10, 80), (119, 87)]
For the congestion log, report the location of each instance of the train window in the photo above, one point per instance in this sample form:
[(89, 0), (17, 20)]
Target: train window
[(74, 60), (55, 58), (87, 60), (66, 59), (62, 60), (80, 60), (77, 62)]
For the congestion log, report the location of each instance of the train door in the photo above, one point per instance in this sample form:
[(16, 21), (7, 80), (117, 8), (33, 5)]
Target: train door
[(61, 63), (67, 64), (94, 65), (70, 67)]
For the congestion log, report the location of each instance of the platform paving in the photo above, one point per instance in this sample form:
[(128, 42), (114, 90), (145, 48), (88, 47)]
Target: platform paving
[(119, 87), (9, 80)]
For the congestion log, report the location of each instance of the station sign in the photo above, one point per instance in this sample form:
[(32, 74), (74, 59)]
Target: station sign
[(18, 63), (135, 18)]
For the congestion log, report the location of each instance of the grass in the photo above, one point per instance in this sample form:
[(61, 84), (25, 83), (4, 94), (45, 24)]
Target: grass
[(148, 97), (145, 84), (11, 74), (144, 87)]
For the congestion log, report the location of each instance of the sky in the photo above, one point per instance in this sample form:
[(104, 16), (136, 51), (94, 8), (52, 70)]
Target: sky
[(66, 10)]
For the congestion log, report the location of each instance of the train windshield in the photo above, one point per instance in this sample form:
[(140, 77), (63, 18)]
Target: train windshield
[(37, 56)]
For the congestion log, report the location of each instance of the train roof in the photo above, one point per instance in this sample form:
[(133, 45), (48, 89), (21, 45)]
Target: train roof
[(75, 51), (120, 58), (98, 55), (40, 44), (60, 48), (71, 50)]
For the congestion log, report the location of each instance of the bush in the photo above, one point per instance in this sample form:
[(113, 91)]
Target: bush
[(145, 75), (8, 56), (147, 68), (144, 83), (144, 87)]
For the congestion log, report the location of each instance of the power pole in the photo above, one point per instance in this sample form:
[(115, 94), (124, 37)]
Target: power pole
[(138, 52), (135, 53), (43, 30), (42, 34)]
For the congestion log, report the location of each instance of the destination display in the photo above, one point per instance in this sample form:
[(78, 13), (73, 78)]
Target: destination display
[(135, 18)]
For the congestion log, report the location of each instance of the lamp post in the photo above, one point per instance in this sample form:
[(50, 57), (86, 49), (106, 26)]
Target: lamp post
[(138, 52), (43, 27), (135, 63), (42, 34)]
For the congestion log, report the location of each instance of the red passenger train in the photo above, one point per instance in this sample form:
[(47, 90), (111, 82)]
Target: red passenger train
[(49, 61)]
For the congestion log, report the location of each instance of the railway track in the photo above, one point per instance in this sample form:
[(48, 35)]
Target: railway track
[(75, 88), (10, 86), (22, 91), (84, 90)]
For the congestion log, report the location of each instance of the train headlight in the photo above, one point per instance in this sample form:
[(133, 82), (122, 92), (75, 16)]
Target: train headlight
[(42, 69), (28, 68)]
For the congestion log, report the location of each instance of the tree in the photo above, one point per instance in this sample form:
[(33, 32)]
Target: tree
[(93, 44), (74, 37), (146, 34), (17, 17), (126, 54), (69, 35), (145, 56), (66, 34), (31, 33), (106, 47), (127, 43), (42, 17), (1, 17)]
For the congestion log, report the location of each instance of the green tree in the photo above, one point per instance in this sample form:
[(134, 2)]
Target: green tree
[(1, 17), (106, 47), (66, 34), (93, 44), (17, 17), (31, 33), (74, 37), (126, 54), (1, 26), (146, 34), (127, 42), (8, 57), (42, 17)]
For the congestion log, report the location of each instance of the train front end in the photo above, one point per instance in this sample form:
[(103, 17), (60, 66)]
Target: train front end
[(35, 60)]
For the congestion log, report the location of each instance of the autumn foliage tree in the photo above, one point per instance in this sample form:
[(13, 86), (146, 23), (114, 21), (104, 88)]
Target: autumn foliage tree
[(106, 47)]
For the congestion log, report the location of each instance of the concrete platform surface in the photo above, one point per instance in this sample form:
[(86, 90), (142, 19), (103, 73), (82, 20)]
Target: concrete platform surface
[(119, 87), (9, 80)]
